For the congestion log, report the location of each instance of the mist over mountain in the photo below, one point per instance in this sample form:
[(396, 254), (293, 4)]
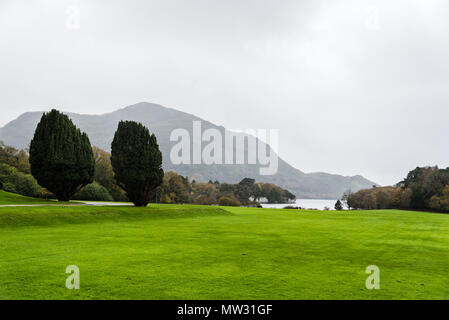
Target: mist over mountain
[(162, 121)]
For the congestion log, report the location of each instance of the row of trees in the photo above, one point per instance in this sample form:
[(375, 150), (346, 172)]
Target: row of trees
[(15, 177), (64, 165), (62, 159), (174, 188), (178, 189), (424, 188)]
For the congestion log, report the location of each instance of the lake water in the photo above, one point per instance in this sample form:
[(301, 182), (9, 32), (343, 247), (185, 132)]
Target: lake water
[(304, 203)]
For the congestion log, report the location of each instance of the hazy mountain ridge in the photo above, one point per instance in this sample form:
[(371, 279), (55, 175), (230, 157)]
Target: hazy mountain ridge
[(162, 121)]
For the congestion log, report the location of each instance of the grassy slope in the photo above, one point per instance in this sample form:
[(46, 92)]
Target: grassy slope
[(192, 252), (7, 198)]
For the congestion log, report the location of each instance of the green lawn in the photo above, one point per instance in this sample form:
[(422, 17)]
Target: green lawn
[(197, 252), (7, 198)]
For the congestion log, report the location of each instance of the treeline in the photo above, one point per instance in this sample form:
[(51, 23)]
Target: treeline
[(15, 177), (62, 164), (178, 189), (424, 188), (15, 174)]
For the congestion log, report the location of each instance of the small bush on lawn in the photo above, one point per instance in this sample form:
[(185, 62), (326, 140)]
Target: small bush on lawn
[(93, 192)]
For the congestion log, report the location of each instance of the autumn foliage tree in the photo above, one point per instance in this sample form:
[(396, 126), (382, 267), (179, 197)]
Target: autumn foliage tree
[(18, 159), (104, 174), (136, 161), (61, 156)]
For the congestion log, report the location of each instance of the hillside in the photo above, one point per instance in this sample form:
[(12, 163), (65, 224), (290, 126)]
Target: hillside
[(162, 121), (7, 198)]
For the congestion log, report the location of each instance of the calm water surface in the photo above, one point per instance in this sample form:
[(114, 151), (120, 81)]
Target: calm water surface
[(305, 203)]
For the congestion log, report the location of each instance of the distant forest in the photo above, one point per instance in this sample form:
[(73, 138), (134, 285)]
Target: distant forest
[(424, 188), (15, 176)]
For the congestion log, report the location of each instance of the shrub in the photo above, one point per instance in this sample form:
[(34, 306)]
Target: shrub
[(17, 182), (227, 201), (292, 207), (93, 192)]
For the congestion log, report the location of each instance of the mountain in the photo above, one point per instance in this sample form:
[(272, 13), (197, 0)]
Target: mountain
[(162, 121)]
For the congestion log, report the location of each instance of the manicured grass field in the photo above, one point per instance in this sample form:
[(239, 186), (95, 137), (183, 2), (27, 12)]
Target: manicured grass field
[(7, 198), (197, 252)]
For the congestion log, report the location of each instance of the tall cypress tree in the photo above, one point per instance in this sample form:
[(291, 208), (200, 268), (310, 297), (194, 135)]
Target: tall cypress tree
[(61, 156), (137, 161)]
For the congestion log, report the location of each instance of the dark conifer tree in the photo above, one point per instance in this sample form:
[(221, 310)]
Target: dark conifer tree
[(338, 205), (61, 156), (137, 161)]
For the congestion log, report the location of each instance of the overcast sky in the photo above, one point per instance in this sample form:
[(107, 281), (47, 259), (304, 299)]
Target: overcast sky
[(355, 87)]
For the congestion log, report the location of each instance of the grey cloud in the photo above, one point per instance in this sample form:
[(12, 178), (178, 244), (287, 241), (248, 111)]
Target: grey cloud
[(356, 87)]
